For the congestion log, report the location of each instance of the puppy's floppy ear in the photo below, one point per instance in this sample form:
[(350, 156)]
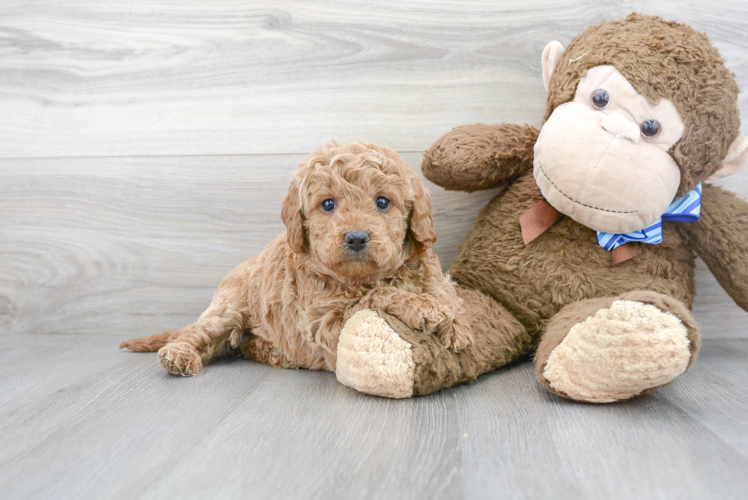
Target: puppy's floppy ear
[(293, 218), (421, 221)]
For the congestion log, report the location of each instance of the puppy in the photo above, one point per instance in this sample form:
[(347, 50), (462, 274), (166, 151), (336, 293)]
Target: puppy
[(359, 235)]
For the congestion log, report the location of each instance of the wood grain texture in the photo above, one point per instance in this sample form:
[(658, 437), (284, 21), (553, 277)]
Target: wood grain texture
[(561, 449), (203, 77), (94, 422), (129, 246)]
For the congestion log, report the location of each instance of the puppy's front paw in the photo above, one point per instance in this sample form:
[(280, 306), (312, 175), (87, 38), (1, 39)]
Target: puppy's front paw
[(456, 336), (180, 358), (420, 312)]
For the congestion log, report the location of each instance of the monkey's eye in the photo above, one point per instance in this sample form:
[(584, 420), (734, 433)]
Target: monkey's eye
[(650, 128), (328, 205), (600, 99), (383, 203)]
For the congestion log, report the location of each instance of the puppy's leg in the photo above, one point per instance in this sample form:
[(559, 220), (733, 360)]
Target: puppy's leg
[(419, 311), (258, 349), (201, 342), (426, 312), (325, 321)]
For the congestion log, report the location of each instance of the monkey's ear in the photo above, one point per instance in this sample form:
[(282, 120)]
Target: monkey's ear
[(737, 158), (552, 54)]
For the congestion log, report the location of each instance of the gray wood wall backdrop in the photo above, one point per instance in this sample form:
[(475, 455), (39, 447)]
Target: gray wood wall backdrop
[(145, 145)]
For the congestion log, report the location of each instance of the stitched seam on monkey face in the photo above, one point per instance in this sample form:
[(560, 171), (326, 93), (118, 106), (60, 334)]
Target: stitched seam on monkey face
[(587, 181), (578, 202)]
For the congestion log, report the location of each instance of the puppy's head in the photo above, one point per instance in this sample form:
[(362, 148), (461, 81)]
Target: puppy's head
[(358, 210)]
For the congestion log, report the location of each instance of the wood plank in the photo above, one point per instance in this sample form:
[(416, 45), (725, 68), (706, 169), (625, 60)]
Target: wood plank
[(547, 447), (130, 246), (714, 397), (127, 429), (34, 366), (104, 78), (75, 438), (327, 441)]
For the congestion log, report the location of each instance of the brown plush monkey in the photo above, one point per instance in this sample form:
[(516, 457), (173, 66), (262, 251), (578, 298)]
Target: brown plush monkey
[(640, 111)]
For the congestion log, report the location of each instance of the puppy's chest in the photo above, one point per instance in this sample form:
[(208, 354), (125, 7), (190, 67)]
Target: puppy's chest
[(316, 303), (345, 300)]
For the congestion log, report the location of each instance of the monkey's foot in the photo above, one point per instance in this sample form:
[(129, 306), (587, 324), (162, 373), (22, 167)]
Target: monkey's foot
[(180, 358), (372, 358), (617, 353)]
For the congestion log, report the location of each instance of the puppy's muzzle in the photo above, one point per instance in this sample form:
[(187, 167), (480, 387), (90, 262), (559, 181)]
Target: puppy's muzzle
[(356, 240)]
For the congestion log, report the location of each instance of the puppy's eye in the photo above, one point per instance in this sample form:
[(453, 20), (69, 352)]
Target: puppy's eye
[(383, 203), (328, 205), (600, 99), (650, 128)]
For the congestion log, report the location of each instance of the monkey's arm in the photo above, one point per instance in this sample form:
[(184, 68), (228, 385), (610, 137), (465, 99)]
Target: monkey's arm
[(474, 157), (720, 237)]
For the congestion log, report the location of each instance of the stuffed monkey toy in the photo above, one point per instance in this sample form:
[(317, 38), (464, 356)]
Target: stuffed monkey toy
[(591, 243)]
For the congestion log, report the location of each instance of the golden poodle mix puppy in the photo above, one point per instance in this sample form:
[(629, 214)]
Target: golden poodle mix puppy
[(359, 238), (352, 286)]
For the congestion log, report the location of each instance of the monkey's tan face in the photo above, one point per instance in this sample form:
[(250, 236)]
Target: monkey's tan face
[(602, 159)]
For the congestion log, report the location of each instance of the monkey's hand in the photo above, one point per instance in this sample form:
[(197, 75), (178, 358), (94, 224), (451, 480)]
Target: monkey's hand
[(474, 157), (720, 238)]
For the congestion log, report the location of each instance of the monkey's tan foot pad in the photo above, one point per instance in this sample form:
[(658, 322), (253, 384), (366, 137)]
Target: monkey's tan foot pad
[(180, 358), (372, 358), (618, 353)]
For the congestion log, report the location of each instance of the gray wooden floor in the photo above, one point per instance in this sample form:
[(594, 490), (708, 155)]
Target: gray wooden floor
[(83, 420), (145, 147)]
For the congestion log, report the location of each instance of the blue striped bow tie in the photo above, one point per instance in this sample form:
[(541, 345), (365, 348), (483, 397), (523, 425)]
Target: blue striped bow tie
[(684, 209)]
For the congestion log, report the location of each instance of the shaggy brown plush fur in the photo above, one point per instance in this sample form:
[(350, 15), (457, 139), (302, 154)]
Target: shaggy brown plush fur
[(720, 238), (564, 265), (480, 157), (564, 276), (295, 297)]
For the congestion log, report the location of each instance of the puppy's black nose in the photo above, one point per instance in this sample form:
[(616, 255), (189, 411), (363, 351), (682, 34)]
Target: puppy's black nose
[(356, 240)]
